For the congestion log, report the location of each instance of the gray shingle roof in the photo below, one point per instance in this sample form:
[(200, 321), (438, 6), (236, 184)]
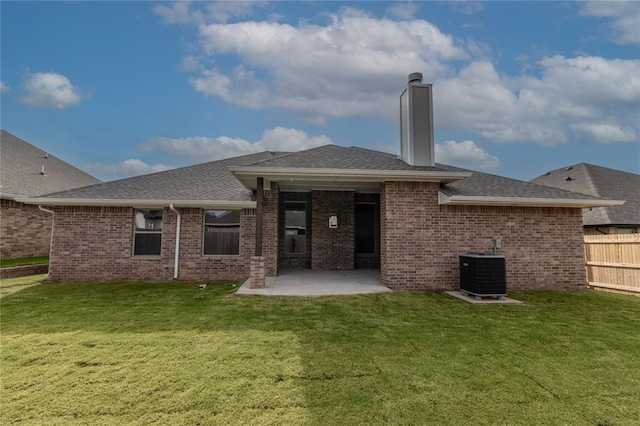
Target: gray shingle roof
[(488, 185), (207, 181), (215, 182), (339, 157), (600, 182), (21, 166)]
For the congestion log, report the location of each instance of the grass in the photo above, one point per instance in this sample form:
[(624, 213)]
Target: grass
[(172, 354), (7, 263), (12, 285)]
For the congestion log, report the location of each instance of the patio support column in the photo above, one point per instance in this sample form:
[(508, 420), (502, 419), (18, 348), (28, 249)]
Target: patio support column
[(257, 261), (259, 215)]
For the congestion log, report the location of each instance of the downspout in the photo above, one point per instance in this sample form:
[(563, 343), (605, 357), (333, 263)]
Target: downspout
[(51, 236), (177, 257)]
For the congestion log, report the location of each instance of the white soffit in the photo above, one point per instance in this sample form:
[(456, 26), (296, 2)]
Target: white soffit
[(471, 200)]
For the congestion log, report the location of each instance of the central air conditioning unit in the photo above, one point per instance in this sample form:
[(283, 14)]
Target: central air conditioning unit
[(483, 275)]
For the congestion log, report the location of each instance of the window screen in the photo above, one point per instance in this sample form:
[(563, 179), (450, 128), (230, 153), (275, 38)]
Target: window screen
[(222, 232), (147, 233)]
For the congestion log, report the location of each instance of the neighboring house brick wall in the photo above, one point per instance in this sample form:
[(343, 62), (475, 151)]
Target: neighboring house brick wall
[(421, 241), (332, 249), (95, 244), (25, 231)]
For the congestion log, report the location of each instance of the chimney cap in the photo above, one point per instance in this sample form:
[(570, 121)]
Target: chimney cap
[(415, 77)]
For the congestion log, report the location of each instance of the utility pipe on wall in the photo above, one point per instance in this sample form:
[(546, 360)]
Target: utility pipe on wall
[(51, 236), (177, 257)]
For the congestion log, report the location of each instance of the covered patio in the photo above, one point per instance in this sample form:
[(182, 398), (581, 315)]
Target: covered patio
[(308, 283)]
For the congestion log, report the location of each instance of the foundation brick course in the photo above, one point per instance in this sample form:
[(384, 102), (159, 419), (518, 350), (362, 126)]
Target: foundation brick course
[(25, 231), (421, 241)]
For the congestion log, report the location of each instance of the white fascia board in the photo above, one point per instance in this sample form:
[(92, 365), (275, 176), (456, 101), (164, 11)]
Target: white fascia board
[(347, 175), (475, 200), (209, 204)]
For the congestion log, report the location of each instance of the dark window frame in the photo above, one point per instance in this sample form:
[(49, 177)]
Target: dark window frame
[(375, 233), (236, 249), (299, 244)]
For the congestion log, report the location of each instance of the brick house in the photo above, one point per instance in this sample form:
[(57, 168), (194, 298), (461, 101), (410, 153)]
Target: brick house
[(331, 208), (604, 182), (28, 171)]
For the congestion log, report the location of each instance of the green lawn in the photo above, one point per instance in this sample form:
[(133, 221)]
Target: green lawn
[(173, 354), (11, 285), (6, 263)]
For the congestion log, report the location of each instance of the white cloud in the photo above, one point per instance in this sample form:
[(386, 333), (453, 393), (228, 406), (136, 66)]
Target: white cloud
[(50, 90), (548, 110), (178, 13), (4, 88), (624, 18), (403, 10), (465, 154), (201, 149), (182, 12), (127, 168), (467, 7), (354, 65), (606, 133)]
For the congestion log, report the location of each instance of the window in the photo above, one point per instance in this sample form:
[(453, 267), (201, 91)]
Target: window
[(365, 228), (222, 232), (147, 233), (295, 227)]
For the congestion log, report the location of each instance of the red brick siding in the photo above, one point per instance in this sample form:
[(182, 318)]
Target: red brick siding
[(96, 244), (421, 241), (25, 231), (332, 249)]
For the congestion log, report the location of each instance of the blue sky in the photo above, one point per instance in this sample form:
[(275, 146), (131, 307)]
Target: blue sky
[(126, 88)]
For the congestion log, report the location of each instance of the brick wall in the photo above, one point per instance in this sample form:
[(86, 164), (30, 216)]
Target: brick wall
[(25, 231), (421, 241), (332, 249), (270, 230), (96, 244)]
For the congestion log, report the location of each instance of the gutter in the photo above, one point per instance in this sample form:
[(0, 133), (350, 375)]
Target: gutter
[(51, 236), (475, 200), (177, 256), (139, 203)]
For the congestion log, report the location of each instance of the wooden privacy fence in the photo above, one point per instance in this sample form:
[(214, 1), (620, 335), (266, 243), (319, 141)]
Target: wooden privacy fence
[(613, 262)]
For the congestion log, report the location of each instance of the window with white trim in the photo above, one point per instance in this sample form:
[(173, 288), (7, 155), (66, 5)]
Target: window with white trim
[(221, 232), (147, 232)]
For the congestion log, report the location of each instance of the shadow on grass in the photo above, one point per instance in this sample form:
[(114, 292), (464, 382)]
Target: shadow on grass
[(174, 353)]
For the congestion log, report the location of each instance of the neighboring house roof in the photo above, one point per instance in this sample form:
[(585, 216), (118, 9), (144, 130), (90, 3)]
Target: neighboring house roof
[(22, 165), (229, 183), (600, 182)]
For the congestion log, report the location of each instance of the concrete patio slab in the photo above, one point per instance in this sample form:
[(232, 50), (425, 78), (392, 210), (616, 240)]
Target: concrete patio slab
[(484, 301), (307, 283)]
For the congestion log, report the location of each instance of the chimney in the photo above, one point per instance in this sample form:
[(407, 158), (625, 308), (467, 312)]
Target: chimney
[(416, 123)]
